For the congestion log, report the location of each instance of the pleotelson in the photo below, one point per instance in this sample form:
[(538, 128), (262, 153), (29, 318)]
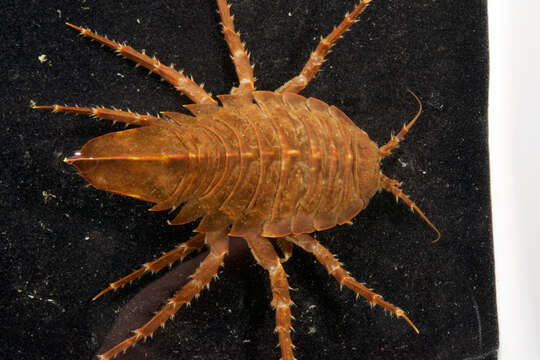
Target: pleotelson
[(271, 164)]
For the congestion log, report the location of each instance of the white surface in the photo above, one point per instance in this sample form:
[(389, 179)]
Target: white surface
[(514, 136)]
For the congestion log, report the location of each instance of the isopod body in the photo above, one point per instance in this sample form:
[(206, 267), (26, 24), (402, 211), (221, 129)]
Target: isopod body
[(266, 163), (269, 167)]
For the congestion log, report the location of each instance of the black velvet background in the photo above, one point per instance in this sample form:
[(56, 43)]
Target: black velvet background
[(62, 241)]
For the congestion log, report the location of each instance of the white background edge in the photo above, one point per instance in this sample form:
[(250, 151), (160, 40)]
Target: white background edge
[(514, 129)]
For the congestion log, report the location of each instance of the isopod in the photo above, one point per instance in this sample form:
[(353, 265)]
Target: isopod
[(270, 167)]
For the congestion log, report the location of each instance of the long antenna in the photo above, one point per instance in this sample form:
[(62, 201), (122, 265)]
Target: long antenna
[(393, 143)]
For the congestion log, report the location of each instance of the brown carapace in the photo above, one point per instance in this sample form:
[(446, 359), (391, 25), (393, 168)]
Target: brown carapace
[(267, 166)]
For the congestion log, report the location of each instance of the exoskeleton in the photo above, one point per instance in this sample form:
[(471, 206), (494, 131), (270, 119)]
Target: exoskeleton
[(268, 166)]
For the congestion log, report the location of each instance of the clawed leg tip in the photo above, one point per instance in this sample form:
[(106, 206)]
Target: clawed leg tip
[(406, 318), (50, 107), (434, 229), (78, 28), (101, 293)]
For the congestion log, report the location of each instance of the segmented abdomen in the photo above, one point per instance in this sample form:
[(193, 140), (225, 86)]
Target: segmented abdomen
[(277, 165), (281, 164)]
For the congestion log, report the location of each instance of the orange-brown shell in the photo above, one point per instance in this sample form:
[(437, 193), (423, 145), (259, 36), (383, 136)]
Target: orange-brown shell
[(277, 165)]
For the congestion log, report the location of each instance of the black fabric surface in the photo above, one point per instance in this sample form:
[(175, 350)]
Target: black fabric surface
[(62, 241)]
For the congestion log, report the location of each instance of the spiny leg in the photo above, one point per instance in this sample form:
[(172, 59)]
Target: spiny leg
[(266, 256), (126, 117), (299, 82), (169, 258), (176, 78), (327, 259), (392, 186), (240, 58), (208, 269)]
